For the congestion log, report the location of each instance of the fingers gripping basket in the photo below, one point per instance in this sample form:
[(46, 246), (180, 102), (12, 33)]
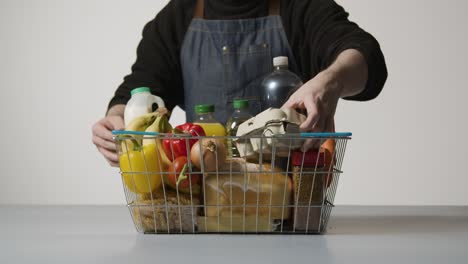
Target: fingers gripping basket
[(283, 191)]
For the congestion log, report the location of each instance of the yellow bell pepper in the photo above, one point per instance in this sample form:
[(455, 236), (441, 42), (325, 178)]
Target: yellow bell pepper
[(141, 171)]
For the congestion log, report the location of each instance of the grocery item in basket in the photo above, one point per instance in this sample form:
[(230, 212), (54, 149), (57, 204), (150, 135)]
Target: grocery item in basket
[(140, 103), (263, 133), (141, 171), (208, 154), (157, 121), (277, 86), (142, 159), (160, 125), (160, 215), (182, 139), (328, 149), (246, 188), (310, 178), (208, 122), (239, 116), (182, 178)]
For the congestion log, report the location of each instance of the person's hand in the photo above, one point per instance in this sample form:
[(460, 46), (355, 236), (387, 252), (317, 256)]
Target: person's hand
[(319, 97), (102, 137)]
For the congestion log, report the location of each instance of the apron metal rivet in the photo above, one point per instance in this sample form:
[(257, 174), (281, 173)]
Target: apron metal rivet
[(225, 48), (264, 45)]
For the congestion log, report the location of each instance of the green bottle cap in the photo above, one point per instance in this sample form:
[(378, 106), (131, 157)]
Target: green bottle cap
[(140, 90), (204, 108), (241, 103)]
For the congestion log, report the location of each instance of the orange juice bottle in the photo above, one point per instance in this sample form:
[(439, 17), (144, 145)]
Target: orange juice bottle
[(206, 120)]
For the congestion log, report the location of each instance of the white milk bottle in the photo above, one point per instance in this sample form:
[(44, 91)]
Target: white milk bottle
[(140, 103)]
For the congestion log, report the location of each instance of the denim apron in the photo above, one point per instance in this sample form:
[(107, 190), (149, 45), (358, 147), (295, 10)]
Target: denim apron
[(227, 59)]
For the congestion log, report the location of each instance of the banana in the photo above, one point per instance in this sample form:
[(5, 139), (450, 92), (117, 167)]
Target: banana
[(140, 123), (160, 125), (152, 122)]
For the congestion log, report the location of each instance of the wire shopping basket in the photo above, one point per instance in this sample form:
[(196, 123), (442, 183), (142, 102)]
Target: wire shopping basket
[(267, 186)]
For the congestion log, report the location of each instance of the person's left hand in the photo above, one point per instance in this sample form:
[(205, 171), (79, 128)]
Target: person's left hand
[(319, 97)]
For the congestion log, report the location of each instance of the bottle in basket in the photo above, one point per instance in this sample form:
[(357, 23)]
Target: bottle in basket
[(207, 121), (278, 85), (240, 115), (140, 103)]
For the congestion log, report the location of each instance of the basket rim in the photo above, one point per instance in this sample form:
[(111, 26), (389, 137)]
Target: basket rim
[(304, 134)]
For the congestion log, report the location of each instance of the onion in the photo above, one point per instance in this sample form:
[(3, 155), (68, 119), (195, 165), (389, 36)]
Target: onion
[(213, 154)]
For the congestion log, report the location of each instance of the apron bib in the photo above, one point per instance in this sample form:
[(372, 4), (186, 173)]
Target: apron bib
[(227, 59)]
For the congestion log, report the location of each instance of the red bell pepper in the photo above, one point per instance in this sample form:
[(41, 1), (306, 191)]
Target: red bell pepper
[(175, 147)]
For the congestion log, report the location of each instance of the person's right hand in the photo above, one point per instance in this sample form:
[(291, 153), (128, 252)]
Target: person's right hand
[(102, 137)]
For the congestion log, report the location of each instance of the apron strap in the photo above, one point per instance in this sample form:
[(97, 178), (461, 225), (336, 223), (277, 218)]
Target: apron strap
[(273, 9), (199, 9)]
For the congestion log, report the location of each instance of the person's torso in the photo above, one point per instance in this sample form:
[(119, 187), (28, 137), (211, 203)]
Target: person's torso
[(222, 60)]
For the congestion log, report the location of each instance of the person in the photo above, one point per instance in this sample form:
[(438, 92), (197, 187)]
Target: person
[(212, 51)]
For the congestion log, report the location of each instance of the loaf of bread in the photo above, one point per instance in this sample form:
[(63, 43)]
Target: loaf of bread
[(248, 189)]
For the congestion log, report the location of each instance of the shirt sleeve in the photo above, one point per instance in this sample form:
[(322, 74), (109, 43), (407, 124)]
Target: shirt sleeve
[(328, 32), (157, 64)]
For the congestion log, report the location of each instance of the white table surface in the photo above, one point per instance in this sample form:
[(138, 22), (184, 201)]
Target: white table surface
[(105, 234)]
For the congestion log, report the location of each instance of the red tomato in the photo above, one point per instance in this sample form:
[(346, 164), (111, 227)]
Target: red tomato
[(180, 178)]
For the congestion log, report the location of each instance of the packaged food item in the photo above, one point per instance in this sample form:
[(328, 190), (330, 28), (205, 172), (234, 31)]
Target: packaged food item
[(309, 186), (240, 115), (249, 189), (278, 85), (140, 103), (159, 215), (312, 175), (273, 129), (206, 120)]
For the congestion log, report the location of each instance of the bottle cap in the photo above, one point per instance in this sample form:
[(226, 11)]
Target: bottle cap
[(241, 103), (280, 61), (204, 108), (140, 90)]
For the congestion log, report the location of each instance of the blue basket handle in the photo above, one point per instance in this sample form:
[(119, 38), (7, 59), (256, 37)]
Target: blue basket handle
[(326, 134), (140, 133)]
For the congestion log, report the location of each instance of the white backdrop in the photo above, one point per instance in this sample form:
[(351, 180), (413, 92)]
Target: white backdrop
[(61, 60)]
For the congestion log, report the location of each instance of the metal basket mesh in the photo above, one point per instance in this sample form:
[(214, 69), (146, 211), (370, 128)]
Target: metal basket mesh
[(272, 191)]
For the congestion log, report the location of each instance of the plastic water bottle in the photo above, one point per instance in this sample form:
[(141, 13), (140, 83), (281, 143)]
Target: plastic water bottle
[(240, 115), (278, 85), (140, 103)]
